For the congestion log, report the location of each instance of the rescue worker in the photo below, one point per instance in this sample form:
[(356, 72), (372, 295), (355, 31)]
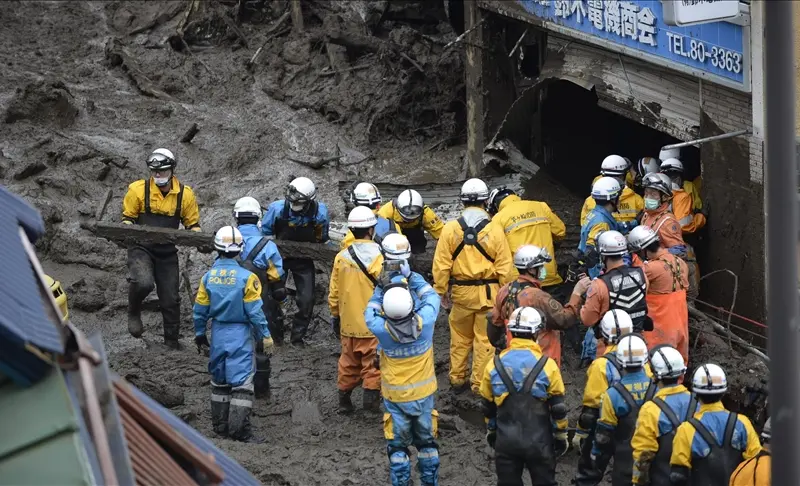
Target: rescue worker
[(601, 374), (668, 280), (645, 165), (523, 402), (528, 223), (408, 378), (606, 192), (299, 217), (353, 279), (230, 296), (471, 261), (691, 217), (531, 263), (709, 446), (366, 194), (260, 256), (659, 418), (396, 251), (619, 287), (630, 203), (692, 187), (619, 411), (756, 470), (659, 217), (161, 201), (414, 218)]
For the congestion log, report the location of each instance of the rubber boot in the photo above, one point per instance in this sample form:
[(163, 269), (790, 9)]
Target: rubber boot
[(345, 404), (239, 415), (261, 379), (135, 326), (372, 400), (459, 389), (220, 404), (173, 344)]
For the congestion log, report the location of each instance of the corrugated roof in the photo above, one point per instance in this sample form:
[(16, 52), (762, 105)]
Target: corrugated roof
[(235, 475), (22, 314)]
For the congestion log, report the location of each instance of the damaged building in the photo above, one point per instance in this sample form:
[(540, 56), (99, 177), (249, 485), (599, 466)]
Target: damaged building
[(570, 82)]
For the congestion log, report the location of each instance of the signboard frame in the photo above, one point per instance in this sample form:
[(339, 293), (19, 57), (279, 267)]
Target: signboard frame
[(516, 10)]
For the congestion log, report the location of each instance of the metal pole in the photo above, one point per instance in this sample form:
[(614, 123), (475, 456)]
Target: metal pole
[(782, 213), (707, 139)]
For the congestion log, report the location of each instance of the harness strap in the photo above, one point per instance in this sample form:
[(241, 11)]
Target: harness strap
[(668, 412), (535, 372), (704, 433), (467, 229), (360, 264), (691, 409), (178, 203), (257, 249), (147, 196), (729, 428), (626, 395), (476, 282), (651, 391), (527, 385)]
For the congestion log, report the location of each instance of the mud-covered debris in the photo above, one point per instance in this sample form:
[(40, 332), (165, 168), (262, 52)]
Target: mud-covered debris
[(45, 102), (306, 413), (164, 393), (30, 169)]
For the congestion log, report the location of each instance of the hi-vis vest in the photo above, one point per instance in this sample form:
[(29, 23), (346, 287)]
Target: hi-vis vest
[(626, 291)]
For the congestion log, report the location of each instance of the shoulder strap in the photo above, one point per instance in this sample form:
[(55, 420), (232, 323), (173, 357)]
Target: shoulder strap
[(392, 225), (535, 372), (147, 196), (612, 358), (503, 374), (704, 433), (670, 414), (285, 212), (692, 407), (626, 395), (364, 270), (179, 203), (257, 249), (477, 229), (651, 391), (729, 428)]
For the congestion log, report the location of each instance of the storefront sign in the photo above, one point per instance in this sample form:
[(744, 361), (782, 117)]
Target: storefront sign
[(692, 12), (719, 51)]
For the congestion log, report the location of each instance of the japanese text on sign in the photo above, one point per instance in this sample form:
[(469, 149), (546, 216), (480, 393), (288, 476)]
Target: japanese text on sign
[(716, 48)]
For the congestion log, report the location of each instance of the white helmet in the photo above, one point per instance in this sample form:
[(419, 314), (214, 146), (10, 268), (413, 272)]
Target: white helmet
[(658, 181), (361, 217), (671, 166), (673, 153), (647, 165), (397, 303), (366, 194), (409, 205), (709, 379), (612, 243), (615, 324), (614, 166), (300, 192), (395, 247), (632, 351), (228, 239), (641, 237), (606, 189), (496, 197), (247, 206), (161, 159), (528, 257), (474, 190), (667, 362), (526, 321)]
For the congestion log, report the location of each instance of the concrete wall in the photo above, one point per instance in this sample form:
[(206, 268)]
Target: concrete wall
[(796, 14), (733, 176)]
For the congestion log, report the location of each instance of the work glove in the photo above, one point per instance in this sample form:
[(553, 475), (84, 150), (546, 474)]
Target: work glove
[(336, 327), (405, 269), (582, 286), (201, 340), (491, 437), (578, 439), (268, 344), (560, 443)]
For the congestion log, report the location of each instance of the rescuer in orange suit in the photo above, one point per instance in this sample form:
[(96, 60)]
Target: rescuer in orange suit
[(657, 213), (526, 291), (668, 278)]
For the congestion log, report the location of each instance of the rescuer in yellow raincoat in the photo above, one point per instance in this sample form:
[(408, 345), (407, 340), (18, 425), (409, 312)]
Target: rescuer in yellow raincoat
[(630, 203), (414, 218), (366, 194), (473, 260)]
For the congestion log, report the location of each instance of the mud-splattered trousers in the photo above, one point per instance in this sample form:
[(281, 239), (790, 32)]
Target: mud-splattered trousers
[(408, 383)]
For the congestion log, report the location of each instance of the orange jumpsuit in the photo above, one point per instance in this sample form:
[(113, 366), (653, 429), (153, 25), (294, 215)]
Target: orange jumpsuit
[(668, 276), (665, 224), (556, 316), (598, 303)]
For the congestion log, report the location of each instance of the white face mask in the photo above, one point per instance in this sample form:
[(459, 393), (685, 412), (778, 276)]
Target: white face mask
[(161, 181), (297, 207)]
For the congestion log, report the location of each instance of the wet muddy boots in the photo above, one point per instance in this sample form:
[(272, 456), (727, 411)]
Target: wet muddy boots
[(345, 404), (135, 326), (371, 400), (263, 370), (230, 412)]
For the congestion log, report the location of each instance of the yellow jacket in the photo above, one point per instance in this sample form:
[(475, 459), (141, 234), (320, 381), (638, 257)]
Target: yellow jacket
[(430, 221), (350, 290), (688, 442), (629, 206), (682, 209), (133, 203), (693, 189), (754, 471), (382, 229), (531, 223), (548, 384), (470, 263)]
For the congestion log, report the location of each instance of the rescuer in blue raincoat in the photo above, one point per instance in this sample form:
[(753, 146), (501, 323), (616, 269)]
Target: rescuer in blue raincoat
[(230, 296)]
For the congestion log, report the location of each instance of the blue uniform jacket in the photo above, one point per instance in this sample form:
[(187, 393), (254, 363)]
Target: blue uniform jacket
[(268, 255), (637, 383), (383, 228), (597, 216), (321, 221), (229, 294), (417, 285)]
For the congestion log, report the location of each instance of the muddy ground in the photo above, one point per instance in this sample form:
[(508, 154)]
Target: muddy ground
[(90, 88)]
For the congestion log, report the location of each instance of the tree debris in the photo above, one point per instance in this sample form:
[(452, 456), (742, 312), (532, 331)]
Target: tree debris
[(190, 133), (270, 33), (297, 15), (118, 55)]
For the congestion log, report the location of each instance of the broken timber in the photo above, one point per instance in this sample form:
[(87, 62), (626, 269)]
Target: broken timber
[(128, 235)]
